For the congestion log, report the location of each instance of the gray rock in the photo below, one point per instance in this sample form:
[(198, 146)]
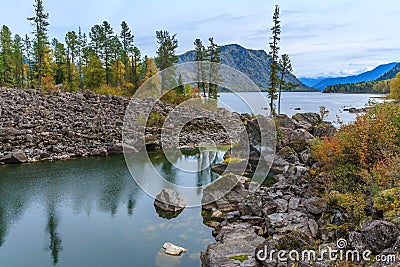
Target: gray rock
[(237, 240), (379, 235), (225, 193), (315, 205), (294, 204), (313, 226), (169, 200), (14, 157), (281, 205)]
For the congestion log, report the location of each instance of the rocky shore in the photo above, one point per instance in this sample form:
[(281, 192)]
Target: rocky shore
[(36, 127), (251, 222)]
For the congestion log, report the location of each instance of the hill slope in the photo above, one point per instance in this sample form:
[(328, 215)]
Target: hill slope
[(363, 77), (253, 63), (390, 74)]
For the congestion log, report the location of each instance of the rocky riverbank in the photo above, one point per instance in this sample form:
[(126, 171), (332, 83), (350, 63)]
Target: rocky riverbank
[(290, 215), (36, 127)]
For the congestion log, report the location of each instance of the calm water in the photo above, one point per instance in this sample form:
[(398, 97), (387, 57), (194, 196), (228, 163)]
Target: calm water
[(90, 212), (307, 102)]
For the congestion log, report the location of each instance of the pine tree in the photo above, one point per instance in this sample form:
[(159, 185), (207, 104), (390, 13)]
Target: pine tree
[(213, 52), (40, 23), (28, 56), (166, 56), (18, 62), (135, 60), (59, 66), (6, 57), (82, 42), (118, 67), (200, 53), (72, 42), (126, 37), (286, 68), (274, 67)]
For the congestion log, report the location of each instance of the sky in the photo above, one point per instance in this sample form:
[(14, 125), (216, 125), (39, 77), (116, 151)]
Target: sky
[(322, 38)]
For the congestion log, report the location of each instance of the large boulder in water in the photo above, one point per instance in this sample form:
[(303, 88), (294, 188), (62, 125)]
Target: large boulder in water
[(169, 200)]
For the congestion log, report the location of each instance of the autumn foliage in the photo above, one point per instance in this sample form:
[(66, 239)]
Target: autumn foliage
[(362, 159)]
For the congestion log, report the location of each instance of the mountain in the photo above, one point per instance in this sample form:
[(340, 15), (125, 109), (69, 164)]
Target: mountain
[(390, 74), (363, 77), (253, 63), (311, 81)]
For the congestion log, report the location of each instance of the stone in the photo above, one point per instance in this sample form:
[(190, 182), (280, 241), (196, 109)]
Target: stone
[(225, 193), (313, 226), (281, 205), (315, 205), (169, 200), (236, 240), (216, 213), (173, 250), (379, 235), (294, 204), (277, 220), (279, 165), (305, 119), (17, 156)]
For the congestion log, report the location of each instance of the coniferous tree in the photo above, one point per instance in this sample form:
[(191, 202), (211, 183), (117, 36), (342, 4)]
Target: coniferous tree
[(118, 67), (135, 61), (6, 57), (274, 66), (200, 53), (166, 56), (213, 53), (39, 21), (82, 42), (18, 59), (28, 56), (285, 68), (126, 37), (59, 66), (72, 43)]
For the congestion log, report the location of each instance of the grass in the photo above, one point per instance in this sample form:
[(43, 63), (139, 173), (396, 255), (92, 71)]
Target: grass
[(240, 258)]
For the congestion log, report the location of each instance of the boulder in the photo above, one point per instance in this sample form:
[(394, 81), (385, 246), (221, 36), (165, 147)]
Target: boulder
[(234, 241), (173, 250), (285, 122), (169, 200), (17, 156), (379, 235), (308, 119), (315, 205), (225, 193)]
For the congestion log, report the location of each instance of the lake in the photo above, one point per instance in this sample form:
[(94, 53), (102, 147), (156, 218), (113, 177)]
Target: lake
[(306, 101), (90, 212)]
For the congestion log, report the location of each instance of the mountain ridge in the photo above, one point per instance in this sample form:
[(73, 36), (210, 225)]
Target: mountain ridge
[(367, 76), (253, 63)]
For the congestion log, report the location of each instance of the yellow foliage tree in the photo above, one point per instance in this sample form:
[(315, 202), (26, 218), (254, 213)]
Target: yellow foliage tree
[(395, 87)]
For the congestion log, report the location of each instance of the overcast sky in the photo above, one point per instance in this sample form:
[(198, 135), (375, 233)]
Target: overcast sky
[(323, 38)]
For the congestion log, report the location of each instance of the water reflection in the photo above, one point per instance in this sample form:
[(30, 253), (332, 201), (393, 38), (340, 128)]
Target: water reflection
[(55, 243), (89, 209)]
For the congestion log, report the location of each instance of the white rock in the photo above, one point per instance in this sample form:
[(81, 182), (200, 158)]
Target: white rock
[(173, 250)]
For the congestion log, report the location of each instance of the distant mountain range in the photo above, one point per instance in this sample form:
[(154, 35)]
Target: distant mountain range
[(253, 63), (312, 81), (363, 77)]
